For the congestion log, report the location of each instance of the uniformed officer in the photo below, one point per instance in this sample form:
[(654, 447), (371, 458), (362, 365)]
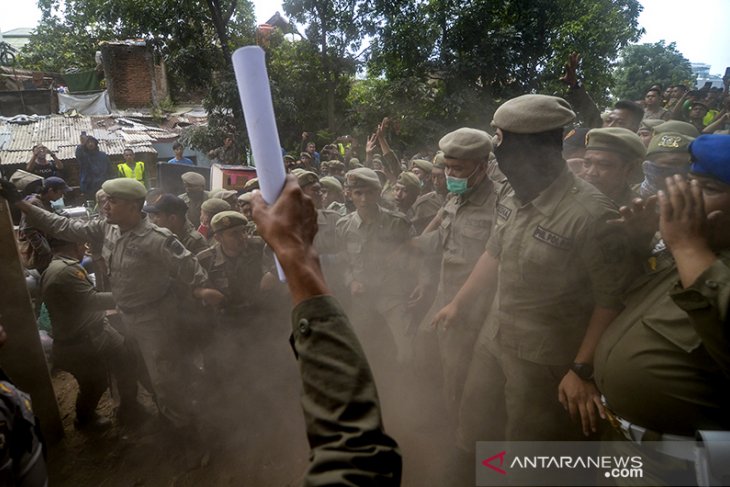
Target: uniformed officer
[(457, 244), (210, 208), (376, 268), (422, 168), (406, 191), (169, 212), (558, 271), (144, 261), (612, 155), (666, 156), (194, 195), (84, 343), (664, 364), (428, 205), (333, 197)]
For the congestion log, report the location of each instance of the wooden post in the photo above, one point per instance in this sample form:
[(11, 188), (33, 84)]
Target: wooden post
[(22, 356)]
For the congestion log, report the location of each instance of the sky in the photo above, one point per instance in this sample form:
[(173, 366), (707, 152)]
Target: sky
[(702, 37)]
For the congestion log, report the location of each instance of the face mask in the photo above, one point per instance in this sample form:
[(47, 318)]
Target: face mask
[(654, 176), (459, 185)]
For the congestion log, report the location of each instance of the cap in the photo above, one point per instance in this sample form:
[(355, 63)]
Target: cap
[(224, 194), (362, 177), (423, 165), (214, 205), (710, 156), (251, 184), (677, 126), (193, 178), (409, 180), (54, 182), (355, 162), (438, 160), (651, 123), (289, 157), (305, 178), (227, 219), (532, 114), (466, 143), (331, 184), (167, 203), (125, 189), (618, 140), (245, 198), (336, 165), (669, 142), (305, 154)]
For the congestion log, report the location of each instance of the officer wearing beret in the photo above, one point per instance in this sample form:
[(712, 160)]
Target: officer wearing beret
[(169, 212), (663, 366), (376, 271), (465, 224), (406, 191), (612, 155), (428, 205), (646, 129), (667, 155), (558, 271), (208, 210), (144, 262), (333, 196), (422, 168), (194, 195)]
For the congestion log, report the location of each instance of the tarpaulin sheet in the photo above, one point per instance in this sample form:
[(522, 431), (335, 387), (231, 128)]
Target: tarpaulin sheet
[(93, 104), (82, 81)]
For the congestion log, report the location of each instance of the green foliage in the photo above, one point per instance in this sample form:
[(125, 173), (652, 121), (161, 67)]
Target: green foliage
[(643, 65)]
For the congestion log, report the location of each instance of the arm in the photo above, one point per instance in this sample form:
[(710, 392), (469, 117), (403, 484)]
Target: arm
[(340, 402), (66, 228), (718, 123), (56, 161), (31, 163), (577, 96)]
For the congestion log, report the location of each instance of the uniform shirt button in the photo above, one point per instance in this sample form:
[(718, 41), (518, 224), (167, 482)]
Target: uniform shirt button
[(711, 284), (304, 327)]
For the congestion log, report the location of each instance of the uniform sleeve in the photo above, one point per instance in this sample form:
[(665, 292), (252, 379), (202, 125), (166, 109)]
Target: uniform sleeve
[(340, 401), (344, 257), (706, 303), (78, 292), (182, 264), (70, 229), (584, 105)]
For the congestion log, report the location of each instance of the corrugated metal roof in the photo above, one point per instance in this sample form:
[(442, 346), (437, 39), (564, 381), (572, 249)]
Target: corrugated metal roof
[(61, 135)]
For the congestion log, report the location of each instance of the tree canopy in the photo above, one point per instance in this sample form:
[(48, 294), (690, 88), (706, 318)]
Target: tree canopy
[(643, 65)]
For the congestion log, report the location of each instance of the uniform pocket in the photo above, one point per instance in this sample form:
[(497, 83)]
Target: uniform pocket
[(681, 334)]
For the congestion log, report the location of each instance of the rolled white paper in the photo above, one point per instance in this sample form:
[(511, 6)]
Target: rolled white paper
[(253, 88)]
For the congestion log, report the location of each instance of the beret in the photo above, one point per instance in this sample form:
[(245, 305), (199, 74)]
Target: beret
[(677, 126), (532, 114), (193, 178), (669, 142), (438, 160), (227, 219), (224, 194), (125, 188), (289, 157), (214, 205), (616, 139), (305, 154), (466, 143), (575, 139), (246, 198), (251, 184), (362, 177), (305, 178), (423, 165), (652, 123), (355, 162), (167, 203), (711, 156), (332, 184), (335, 164), (409, 180)]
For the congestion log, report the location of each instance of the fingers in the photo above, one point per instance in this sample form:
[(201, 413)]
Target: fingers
[(698, 202), (599, 406), (585, 421), (563, 398)]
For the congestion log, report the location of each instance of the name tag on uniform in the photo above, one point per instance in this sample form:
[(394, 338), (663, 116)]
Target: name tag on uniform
[(503, 212), (553, 239)]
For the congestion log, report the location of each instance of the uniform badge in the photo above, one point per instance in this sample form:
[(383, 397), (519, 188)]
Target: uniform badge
[(670, 141), (551, 238), (503, 212)]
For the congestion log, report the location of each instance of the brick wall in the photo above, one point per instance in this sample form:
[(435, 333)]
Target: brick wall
[(133, 80)]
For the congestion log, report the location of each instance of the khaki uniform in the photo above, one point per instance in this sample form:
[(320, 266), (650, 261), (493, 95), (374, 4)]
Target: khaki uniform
[(33, 243), (373, 257), (84, 343), (626, 197), (664, 363), (340, 401), (557, 260), (327, 246), (194, 204), (425, 209), (459, 241), (143, 264), (192, 239)]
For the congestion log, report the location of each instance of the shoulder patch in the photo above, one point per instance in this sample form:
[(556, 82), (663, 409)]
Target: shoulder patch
[(175, 247), (546, 236), (503, 212)]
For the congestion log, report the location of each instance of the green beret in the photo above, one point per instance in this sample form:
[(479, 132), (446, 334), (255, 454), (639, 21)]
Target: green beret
[(289, 157), (335, 164), (409, 180), (214, 205), (193, 178), (678, 127), (532, 114), (355, 162), (650, 123), (362, 177), (245, 198), (669, 142), (251, 184), (332, 184), (439, 161), (125, 189), (305, 178), (423, 165), (224, 194), (466, 143), (227, 219), (616, 139), (213, 193), (305, 154)]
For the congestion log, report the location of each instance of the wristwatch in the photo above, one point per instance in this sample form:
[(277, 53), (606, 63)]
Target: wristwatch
[(584, 371)]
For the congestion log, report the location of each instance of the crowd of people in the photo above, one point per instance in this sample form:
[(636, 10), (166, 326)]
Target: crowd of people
[(564, 278)]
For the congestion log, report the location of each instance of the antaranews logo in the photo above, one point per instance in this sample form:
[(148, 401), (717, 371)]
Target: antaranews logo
[(499, 456)]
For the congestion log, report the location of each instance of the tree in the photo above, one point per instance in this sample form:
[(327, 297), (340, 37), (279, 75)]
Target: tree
[(644, 65)]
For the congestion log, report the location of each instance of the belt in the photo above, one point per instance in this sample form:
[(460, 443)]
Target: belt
[(681, 447)]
